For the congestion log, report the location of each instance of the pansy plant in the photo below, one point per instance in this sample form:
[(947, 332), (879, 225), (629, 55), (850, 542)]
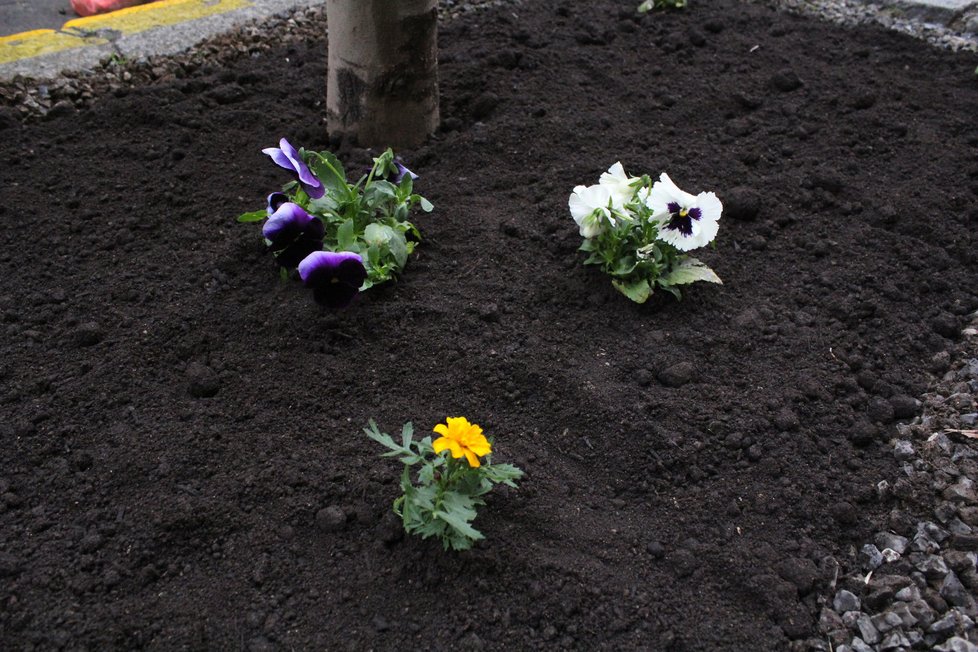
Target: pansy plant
[(454, 472), (363, 226), (639, 231)]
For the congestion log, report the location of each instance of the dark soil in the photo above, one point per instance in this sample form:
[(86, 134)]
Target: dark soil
[(181, 430)]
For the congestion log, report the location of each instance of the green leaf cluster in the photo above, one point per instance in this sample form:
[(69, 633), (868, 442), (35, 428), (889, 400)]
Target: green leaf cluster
[(637, 261), (444, 499), (368, 216)]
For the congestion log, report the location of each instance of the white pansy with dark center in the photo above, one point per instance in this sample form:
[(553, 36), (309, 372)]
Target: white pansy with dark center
[(590, 206), (619, 184), (685, 221)]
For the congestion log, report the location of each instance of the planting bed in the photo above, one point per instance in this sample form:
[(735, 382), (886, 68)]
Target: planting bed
[(183, 466)]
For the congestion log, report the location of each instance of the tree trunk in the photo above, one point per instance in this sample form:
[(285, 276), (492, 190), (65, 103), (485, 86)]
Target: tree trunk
[(382, 84)]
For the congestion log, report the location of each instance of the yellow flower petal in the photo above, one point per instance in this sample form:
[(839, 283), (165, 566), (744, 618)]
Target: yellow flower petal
[(462, 438), (481, 448), (440, 444)]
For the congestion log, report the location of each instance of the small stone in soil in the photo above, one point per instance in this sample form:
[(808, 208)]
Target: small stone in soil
[(677, 375), (845, 601), (903, 450), (202, 381), (786, 81), (87, 334), (741, 203), (330, 519), (904, 407), (892, 541)]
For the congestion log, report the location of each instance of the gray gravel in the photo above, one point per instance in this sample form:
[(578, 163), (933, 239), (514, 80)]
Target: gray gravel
[(953, 30), (913, 586)]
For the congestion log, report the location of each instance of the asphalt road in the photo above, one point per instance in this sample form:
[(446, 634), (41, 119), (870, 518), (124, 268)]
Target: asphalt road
[(24, 15)]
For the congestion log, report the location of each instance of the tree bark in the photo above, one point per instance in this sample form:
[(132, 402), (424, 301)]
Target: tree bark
[(382, 83)]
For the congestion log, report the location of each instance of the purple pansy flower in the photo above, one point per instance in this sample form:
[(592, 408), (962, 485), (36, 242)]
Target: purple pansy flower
[(287, 157), (275, 201), (334, 276), (293, 234), (402, 171)]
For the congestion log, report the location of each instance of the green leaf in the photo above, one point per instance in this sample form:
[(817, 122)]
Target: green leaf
[(624, 266), (253, 216), (346, 236), (381, 437), (424, 497), (690, 271), (324, 204), (398, 247), (457, 513), (638, 291), (404, 190), (378, 235), (407, 431), (426, 205), (379, 191), (427, 474), (502, 473), (329, 170)]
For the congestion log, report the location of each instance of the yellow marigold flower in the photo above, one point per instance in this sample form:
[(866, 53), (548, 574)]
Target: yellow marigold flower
[(461, 438)]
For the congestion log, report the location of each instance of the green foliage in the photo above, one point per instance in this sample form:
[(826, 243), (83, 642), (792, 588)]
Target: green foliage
[(638, 262), (368, 216), (444, 500)]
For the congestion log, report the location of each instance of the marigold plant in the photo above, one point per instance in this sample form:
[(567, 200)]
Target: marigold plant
[(451, 479)]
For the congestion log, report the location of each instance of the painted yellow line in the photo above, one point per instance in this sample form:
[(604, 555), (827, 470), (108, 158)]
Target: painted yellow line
[(83, 32), (42, 41), (155, 14)]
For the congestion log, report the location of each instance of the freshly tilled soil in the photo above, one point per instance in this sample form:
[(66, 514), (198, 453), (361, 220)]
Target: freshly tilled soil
[(184, 466)]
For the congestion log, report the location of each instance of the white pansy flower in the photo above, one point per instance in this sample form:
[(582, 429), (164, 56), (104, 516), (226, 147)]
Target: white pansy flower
[(590, 208), (685, 221), (619, 184)]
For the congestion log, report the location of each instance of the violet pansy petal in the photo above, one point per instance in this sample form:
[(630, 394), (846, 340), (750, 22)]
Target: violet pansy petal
[(285, 223), (320, 266), (315, 191), (298, 251), (315, 229), (335, 277), (278, 157), (300, 168), (402, 171), (275, 201), (351, 272), (309, 266), (288, 149)]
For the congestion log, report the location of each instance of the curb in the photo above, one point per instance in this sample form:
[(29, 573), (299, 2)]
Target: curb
[(161, 27)]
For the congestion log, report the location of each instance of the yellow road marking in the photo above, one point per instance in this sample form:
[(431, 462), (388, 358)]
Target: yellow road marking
[(155, 14), (42, 41), (83, 32)]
